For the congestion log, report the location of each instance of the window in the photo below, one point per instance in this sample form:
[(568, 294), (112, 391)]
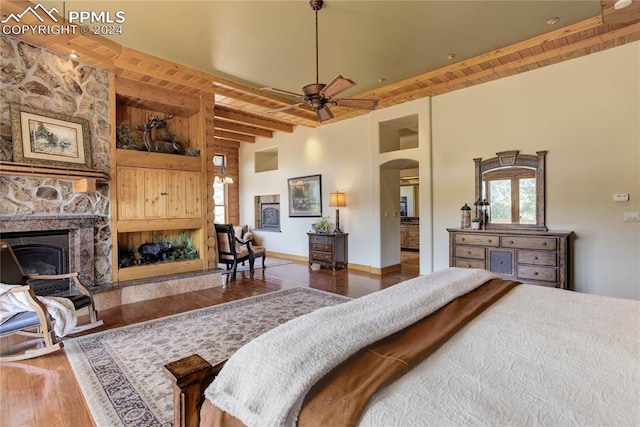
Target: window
[(219, 192), (512, 193)]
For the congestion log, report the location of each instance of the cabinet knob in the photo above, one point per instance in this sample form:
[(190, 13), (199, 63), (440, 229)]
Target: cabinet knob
[(535, 273), (489, 240), (462, 239), (544, 243), (511, 242), (535, 258), (468, 252)]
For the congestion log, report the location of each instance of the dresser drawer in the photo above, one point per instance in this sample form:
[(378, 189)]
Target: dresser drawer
[(469, 263), (322, 247), (470, 252), (537, 258), (320, 239), (477, 239), (545, 243), (546, 274), (321, 257)]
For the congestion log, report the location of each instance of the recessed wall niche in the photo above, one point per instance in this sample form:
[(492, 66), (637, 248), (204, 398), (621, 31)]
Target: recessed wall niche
[(267, 212), (266, 160), (399, 134)]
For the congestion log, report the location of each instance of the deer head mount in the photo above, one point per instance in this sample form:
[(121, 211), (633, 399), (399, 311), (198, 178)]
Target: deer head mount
[(157, 145)]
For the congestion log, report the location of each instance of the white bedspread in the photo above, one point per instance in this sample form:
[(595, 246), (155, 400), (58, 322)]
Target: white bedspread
[(265, 382), (538, 356), (61, 310)]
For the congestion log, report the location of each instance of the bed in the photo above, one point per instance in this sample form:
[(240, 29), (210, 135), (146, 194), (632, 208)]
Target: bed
[(457, 347)]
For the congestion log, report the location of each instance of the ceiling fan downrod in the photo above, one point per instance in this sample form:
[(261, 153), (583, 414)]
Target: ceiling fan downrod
[(316, 5)]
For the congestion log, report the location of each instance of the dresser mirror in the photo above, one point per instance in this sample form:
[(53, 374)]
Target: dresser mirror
[(513, 186)]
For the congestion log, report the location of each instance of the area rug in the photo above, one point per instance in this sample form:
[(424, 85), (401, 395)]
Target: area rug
[(120, 370)]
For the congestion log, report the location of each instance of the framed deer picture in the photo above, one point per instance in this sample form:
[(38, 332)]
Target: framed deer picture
[(45, 137)]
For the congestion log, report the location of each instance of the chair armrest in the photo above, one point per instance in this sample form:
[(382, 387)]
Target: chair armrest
[(247, 244)]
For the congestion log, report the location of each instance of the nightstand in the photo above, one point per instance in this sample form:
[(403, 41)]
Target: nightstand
[(329, 249)]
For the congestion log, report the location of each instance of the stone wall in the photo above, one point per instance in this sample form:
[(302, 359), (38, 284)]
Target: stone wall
[(33, 76)]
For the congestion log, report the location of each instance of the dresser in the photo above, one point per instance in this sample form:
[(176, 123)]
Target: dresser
[(410, 234), (537, 258), (329, 249)]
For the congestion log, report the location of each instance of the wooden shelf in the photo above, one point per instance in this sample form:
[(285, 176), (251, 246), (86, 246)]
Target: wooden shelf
[(159, 269), (84, 180), (135, 225), (135, 158)]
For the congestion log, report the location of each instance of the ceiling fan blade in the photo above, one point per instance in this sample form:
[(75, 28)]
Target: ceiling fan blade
[(285, 108), (365, 104), (281, 92), (337, 85), (324, 114)]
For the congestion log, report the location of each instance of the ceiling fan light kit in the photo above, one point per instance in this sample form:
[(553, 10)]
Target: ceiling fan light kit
[(319, 96)]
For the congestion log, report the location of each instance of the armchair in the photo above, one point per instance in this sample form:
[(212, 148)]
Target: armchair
[(233, 250)]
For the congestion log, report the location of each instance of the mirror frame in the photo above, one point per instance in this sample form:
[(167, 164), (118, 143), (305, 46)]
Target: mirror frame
[(513, 158)]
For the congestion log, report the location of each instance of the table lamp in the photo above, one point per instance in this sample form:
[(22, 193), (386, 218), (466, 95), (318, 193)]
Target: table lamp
[(337, 200)]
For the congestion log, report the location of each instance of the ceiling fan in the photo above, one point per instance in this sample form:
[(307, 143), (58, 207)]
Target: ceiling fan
[(318, 95)]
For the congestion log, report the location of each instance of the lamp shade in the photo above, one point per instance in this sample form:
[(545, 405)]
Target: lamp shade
[(337, 200)]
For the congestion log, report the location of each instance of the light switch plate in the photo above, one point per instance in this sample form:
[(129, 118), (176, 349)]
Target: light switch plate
[(622, 197)]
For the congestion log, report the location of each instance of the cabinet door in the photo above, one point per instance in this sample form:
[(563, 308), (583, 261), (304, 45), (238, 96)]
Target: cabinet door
[(155, 194), (131, 193), (183, 194)]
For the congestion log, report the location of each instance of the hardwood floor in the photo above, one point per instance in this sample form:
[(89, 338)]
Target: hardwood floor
[(43, 391)]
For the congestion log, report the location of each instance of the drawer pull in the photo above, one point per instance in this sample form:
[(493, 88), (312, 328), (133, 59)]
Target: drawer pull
[(535, 258), (511, 242), (468, 252), (462, 239), (489, 240), (535, 273), (544, 243)]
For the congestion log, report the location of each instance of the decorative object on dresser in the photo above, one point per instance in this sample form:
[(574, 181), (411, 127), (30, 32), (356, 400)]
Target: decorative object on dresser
[(305, 196), (45, 137), (538, 258), (465, 216), (329, 250), (337, 200)]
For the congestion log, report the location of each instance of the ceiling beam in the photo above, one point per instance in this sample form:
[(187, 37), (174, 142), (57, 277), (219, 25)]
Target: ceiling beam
[(241, 128), (251, 119)]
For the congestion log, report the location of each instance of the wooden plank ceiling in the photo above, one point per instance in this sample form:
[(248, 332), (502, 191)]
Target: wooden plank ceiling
[(241, 110)]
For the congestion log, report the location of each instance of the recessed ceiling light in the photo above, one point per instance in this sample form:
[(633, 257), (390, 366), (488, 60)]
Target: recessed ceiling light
[(73, 55), (381, 79), (553, 20), (621, 4), (451, 56)]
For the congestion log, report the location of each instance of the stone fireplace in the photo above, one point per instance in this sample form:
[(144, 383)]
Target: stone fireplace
[(49, 232)]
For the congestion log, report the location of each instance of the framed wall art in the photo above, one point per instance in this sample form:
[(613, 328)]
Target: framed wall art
[(49, 138), (305, 196)]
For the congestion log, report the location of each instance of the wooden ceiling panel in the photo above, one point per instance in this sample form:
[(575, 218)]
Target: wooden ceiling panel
[(243, 110)]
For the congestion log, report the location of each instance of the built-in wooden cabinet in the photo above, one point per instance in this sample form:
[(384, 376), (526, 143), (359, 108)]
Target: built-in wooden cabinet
[(159, 196), (148, 194)]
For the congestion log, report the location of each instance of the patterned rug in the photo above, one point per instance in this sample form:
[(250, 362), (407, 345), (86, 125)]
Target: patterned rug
[(120, 370)]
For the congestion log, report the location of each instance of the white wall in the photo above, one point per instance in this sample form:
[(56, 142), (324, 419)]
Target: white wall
[(585, 112)]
